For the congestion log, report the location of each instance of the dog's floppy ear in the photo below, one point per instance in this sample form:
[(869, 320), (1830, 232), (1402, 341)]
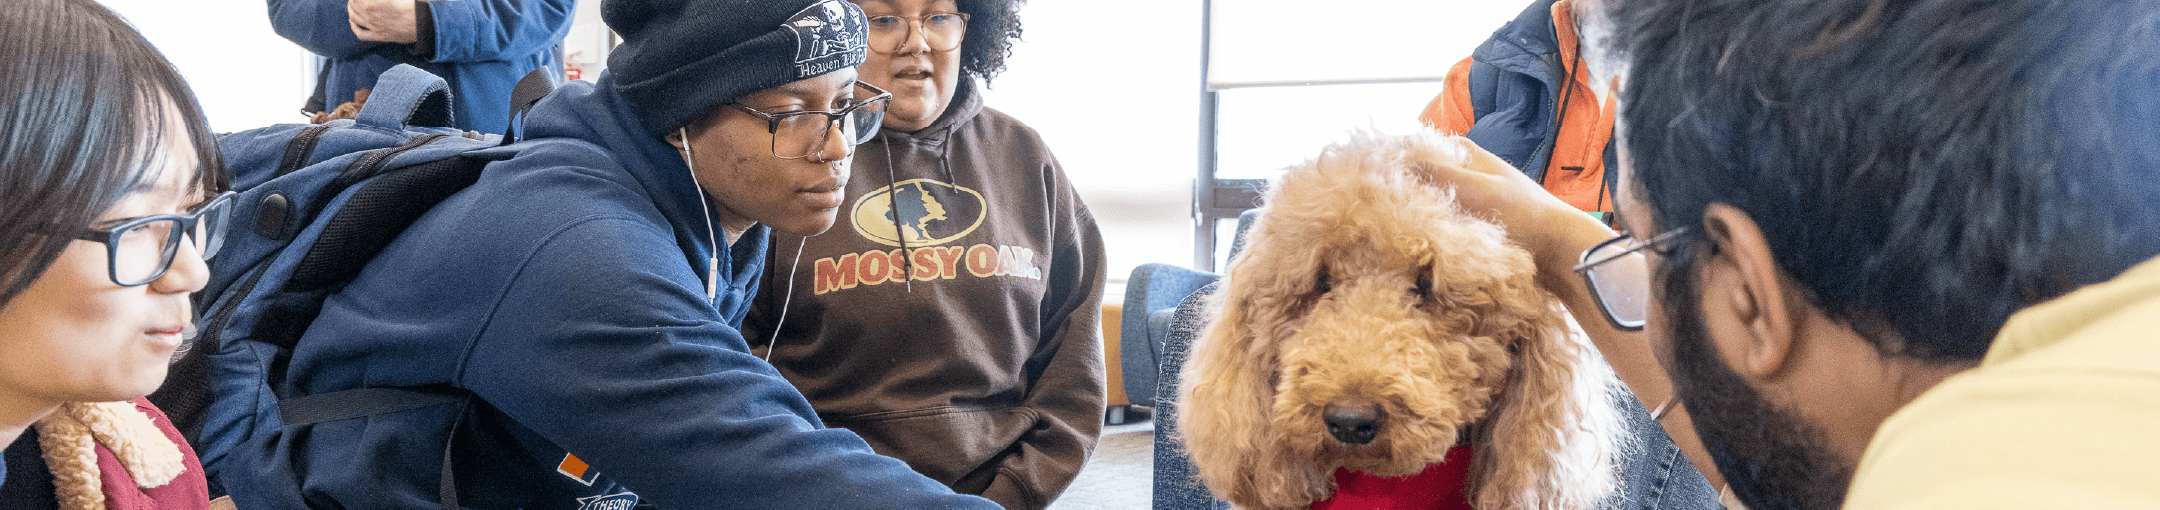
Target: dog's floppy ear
[(1552, 444), (1227, 389)]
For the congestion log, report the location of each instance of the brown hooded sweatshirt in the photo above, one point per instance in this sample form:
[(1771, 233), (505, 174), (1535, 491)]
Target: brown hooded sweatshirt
[(960, 335)]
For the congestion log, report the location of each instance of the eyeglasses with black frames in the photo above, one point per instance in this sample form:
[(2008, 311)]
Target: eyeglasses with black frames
[(798, 133), (1619, 277), (942, 31), (140, 250)]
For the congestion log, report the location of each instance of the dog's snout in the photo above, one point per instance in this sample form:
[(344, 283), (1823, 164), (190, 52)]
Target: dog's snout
[(1353, 422)]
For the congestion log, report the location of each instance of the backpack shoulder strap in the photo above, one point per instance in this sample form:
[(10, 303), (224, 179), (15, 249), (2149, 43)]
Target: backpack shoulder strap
[(359, 402)]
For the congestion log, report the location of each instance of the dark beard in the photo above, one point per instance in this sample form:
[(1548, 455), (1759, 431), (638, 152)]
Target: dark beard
[(1773, 458)]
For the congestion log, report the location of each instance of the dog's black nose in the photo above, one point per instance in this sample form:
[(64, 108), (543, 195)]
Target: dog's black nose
[(1353, 422)]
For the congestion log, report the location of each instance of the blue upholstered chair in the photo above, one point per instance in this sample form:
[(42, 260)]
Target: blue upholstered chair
[(1151, 294), (1177, 486)]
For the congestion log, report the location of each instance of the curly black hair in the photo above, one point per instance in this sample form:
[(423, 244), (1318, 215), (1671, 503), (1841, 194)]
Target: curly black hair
[(993, 25)]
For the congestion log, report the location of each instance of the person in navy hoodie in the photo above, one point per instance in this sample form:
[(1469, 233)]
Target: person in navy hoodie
[(482, 47), (588, 290)]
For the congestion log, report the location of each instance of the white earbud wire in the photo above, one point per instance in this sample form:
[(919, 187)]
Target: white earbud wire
[(712, 264), (785, 298)]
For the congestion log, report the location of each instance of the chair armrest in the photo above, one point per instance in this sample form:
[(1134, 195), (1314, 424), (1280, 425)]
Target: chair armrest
[(1153, 289)]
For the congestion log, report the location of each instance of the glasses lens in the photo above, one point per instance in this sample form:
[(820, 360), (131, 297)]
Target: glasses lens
[(944, 30), (209, 233), (798, 135), (1622, 284), (863, 122), (941, 31), (143, 250), (887, 33)]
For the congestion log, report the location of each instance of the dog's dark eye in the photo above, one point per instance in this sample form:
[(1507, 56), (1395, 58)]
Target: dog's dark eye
[(1322, 282), (1423, 291)]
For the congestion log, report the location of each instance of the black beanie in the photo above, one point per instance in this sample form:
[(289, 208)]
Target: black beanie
[(680, 59)]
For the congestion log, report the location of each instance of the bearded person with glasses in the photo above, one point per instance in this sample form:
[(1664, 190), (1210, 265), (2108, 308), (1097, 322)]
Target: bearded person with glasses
[(1890, 254), (951, 315), (586, 291), (109, 184)]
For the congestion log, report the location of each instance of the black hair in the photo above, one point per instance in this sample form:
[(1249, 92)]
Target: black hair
[(83, 105), (993, 25), (1924, 169)]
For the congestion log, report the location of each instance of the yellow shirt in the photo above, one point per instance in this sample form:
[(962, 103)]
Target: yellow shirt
[(2064, 412)]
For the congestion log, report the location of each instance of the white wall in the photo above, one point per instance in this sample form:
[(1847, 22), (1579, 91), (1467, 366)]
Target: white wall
[(1117, 99), (1115, 86), (1276, 41), (244, 74)]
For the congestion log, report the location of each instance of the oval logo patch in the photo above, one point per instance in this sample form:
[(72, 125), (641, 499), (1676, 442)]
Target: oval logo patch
[(923, 211)]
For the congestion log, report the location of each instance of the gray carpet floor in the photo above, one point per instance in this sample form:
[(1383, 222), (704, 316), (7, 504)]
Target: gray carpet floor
[(1120, 476)]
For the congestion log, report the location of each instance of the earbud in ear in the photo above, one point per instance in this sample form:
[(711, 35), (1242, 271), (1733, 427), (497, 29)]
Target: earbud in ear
[(680, 138)]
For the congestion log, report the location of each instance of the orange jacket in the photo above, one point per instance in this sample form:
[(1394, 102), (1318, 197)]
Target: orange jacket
[(1574, 166)]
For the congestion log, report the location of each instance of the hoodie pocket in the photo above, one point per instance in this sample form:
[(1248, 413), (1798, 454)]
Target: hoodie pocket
[(944, 443)]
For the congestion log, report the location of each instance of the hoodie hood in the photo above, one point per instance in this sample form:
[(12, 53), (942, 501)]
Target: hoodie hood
[(965, 105), (600, 114)]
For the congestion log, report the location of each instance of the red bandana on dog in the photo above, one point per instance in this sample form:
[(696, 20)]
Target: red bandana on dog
[(1439, 486)]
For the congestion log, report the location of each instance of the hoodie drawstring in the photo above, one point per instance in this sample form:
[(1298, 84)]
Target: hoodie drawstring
[(945, 156), (892, 199), (892, 209)]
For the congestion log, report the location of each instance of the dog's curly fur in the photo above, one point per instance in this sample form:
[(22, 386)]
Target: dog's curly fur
[(1362, 282)]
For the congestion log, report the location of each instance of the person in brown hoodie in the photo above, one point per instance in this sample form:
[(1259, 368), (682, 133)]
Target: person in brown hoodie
[(951, 316)]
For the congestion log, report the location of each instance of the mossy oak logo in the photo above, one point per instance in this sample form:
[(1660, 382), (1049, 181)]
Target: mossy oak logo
[(919, 217), (921, 212), (828, 36)]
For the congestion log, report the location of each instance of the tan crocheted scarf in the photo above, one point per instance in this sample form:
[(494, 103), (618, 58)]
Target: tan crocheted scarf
[(67, 438)]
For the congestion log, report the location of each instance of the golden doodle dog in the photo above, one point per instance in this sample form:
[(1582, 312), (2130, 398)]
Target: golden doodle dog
[(1371, 325)]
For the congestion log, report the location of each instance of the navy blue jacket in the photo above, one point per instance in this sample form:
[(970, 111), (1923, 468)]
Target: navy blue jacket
[(482, 47), (1515, 93), (566, 290)]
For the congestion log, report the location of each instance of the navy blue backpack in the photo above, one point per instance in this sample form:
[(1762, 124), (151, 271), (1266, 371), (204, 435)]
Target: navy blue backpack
[(315, 204)]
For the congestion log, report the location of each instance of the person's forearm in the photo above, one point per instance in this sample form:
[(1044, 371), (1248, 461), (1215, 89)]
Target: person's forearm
[(1628, 352), (489, 30)]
